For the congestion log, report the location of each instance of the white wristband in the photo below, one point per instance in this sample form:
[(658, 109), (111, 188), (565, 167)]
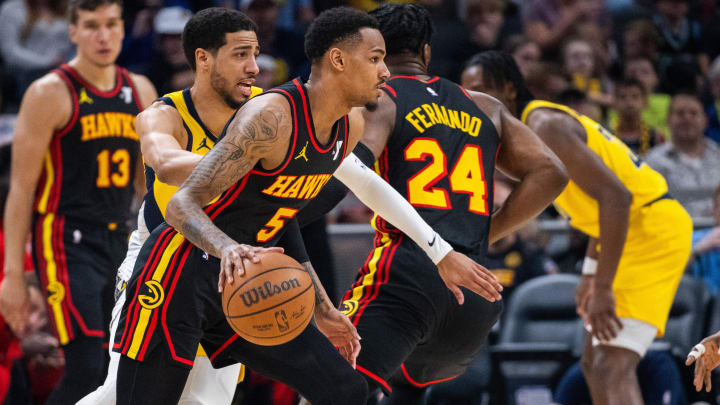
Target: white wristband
[(382, 198), (589, 267)]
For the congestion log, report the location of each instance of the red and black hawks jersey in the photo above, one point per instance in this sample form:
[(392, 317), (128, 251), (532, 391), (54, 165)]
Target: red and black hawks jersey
[(256, 208), (441, 158), (89, 168)]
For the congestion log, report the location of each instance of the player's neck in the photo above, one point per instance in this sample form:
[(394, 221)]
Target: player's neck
[(102, 77), (211, 108), (406, 65), (327, 104)]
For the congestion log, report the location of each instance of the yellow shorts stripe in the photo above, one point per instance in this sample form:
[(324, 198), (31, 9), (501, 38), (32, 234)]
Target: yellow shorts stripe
[(49, 178), (52, 279), (145, 313)]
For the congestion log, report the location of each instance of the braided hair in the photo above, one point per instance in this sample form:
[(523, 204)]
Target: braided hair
[(499, 68), (405, 27)]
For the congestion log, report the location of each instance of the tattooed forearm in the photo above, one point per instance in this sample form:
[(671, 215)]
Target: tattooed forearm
[(250, 137), (322, 301)]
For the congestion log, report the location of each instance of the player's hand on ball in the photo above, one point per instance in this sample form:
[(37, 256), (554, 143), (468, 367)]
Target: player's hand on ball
[(15, 302), (601, 314), (706, 357), (339, 331), (232, 258), (458, 270)]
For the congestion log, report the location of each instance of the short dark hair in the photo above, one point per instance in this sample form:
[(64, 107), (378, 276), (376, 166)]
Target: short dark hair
[(87, 5), (630, 82), (333, 26), (571, 96), (684, 93), (405, 27), (208, 27), (499, 68)]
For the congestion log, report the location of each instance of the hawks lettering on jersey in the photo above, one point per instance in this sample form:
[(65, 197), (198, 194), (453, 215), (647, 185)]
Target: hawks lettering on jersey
[(108, 125), (303, 187)]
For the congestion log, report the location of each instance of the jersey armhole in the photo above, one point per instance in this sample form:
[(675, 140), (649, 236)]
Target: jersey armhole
[(258, 168), (75, 106)]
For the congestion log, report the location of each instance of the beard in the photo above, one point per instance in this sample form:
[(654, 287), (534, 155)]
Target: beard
[(220, 85), (371, 106)]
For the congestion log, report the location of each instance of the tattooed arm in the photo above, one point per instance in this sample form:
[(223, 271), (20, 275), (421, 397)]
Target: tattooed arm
[(260, 132)]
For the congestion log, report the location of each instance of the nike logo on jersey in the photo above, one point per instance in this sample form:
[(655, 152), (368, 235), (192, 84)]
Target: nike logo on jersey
[(432, 242), (300, 187), (203, 144), (302, 153), (432, 92), (338, 145), (126, 94), (427, 115), (84, 98)]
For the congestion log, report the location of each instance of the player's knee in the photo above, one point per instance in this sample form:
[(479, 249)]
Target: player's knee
[(586, 364), (611, 364)]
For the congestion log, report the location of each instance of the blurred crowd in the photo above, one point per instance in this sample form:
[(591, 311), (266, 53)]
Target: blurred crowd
[(649, 70)]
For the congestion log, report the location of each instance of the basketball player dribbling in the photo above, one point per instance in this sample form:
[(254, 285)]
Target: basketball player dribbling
[(175, 133), (261, 186), (75, 172)]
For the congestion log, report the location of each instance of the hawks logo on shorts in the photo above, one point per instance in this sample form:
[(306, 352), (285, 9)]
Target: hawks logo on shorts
[(153, 296)]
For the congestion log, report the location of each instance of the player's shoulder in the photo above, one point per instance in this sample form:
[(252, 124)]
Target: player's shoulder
[(269, 101), (145, 88), (50, 86), (488, 104)]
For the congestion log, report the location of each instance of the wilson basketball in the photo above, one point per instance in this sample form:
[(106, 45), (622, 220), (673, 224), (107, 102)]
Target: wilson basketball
[(272, 303)]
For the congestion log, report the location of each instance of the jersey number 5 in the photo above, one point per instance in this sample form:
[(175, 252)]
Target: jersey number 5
[(466, 177), (106, 176), (275, 224)]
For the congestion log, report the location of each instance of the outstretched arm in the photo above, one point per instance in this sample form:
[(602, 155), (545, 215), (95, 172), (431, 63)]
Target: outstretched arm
[(258, 132), (566, 137)]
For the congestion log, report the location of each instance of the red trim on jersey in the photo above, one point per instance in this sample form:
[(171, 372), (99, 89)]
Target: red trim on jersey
[(133, 305), (373, 376), (76, 105), (425, 384), (315, 142), (431, 80), (347, 130), (153, 319), (391, 90), (294, 142), (223, 347), (106, 94), (41, 264), (231, 198), (465, 92), (136, 95), (56, 153), (56, 237)]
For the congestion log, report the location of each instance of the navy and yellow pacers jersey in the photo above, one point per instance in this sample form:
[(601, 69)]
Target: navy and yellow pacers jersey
[(441, 158), (199, 140), (89, 168), (256, 208)]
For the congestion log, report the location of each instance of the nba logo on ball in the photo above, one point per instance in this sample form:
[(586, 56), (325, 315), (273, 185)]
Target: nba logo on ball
[(272, 303)]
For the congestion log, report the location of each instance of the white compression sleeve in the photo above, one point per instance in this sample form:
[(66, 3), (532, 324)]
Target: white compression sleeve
[(379, 196)]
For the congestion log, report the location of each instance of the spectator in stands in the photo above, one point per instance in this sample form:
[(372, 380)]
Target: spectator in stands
[(641, 39), (642, 69), (628, 125), (712, 110), (690, 162), (512, 259), (579, 101), (681, 37), (34, 38), (526, 52), (266, 78), (705, 259), (484, 19), (550, 22), (545, 80), (659, 379), (579, 64), (169, 70), (284, 45)]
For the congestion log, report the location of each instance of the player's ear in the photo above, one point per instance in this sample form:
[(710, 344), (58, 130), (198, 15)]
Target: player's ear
[(426, 54), (202, 59), (337, 59), (72, 30), (510, 91)]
